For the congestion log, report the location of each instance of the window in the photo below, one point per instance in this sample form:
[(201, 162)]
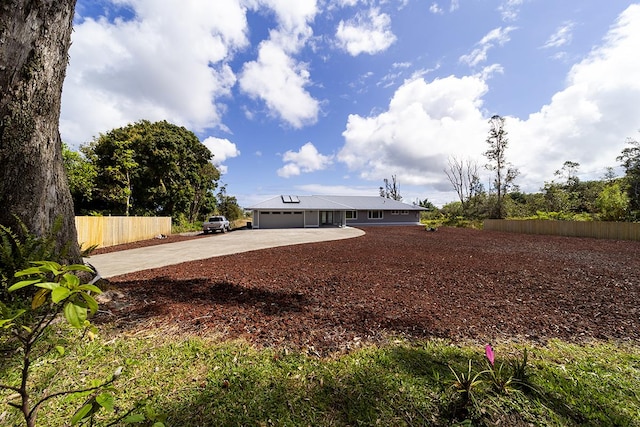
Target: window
[(290, 199), (351, 215), (404, 213), (375, 214), (395, 212)]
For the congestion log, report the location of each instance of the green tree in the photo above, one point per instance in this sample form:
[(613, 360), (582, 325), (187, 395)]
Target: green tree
[(426, 204), (556, 198), (613, 203), (228, 205), (505, 174), (630, 159), (204, 199), (82, 175), (34, 41), (113, 157), (153, 169)]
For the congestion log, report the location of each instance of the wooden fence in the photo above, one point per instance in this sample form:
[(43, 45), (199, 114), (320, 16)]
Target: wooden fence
[(595, 229), (114, 230)]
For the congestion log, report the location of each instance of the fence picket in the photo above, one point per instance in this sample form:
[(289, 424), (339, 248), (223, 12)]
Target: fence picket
[(595, 229), (115, 230)]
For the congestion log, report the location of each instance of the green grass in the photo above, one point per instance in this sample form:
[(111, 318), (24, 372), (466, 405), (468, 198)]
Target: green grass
[(199, 382)]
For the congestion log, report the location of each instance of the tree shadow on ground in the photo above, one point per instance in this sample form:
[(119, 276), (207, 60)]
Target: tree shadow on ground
[(144, 299)]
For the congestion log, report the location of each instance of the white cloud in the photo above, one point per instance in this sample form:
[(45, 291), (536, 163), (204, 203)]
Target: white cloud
[(588, 121), (307, 159), (222, 150), (292, 16), (435, 9), (280, 82), (510, 9), (489, 71), (425, 122), (338, 190), (152, 67), (370, 33), (344, 3), (498, 36), (276, 77), (562, 36)]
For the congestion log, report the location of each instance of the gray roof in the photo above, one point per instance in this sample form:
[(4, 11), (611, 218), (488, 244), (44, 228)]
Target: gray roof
[(334, 203)]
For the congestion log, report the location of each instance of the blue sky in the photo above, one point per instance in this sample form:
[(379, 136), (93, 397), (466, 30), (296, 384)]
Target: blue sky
[(331, 97)]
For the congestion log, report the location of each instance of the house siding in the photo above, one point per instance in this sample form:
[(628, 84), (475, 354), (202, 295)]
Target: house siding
[(411, 218), (318, 211)]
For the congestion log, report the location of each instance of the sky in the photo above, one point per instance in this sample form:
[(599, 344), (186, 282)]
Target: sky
[(331, 97)]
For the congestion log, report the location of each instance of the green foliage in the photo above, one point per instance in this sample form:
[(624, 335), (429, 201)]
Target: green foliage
[(19, 248), (561, 216), (466, 383), (228, 205), (198, 381), (181, 224), (56, 289), (630, 159), (81, 174), (152, 169), (521, 376), (613, 203), (26, 331), (504, 174), (57, 284)]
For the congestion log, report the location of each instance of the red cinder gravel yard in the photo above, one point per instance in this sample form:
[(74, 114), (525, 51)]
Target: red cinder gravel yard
[(459, 284)]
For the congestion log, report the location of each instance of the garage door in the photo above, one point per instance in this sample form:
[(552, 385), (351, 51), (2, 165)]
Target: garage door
[(281, 219)]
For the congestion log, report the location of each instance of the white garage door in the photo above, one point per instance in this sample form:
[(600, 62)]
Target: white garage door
[(281, 219)]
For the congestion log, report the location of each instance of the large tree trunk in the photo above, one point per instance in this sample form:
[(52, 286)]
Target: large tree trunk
[(35, 36)]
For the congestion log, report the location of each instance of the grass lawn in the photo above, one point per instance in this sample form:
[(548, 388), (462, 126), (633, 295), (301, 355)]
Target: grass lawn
[(201, 382)]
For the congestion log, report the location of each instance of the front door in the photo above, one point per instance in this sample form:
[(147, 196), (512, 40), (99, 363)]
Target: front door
[(326, 218)]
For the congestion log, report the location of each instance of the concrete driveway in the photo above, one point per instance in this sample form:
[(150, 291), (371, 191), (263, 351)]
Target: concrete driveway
[(243, 240)]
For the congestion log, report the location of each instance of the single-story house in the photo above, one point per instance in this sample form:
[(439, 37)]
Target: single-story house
[(315, 211)]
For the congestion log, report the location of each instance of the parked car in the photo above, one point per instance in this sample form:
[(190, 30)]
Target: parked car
[(216, 223)]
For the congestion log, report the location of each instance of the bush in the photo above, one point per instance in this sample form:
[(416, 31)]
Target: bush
[(19, 248)]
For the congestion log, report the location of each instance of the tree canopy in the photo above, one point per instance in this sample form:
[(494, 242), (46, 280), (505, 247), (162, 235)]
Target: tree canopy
[(152, 169), (505, 175), (630, 158)]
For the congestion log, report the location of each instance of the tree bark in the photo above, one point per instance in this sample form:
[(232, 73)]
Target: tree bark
[(35, 36)]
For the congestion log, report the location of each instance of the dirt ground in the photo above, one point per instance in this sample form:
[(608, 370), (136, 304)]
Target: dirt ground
[(459, 284)]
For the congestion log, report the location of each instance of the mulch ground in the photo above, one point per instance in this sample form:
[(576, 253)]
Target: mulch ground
[(458, 284)]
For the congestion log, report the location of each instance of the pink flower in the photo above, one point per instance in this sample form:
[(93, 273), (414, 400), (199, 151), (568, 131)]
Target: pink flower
[(488, 351)]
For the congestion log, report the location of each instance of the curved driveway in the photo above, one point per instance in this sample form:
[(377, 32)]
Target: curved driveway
[(242, 240)]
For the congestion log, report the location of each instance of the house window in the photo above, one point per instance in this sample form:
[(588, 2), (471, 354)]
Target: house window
[(375, 214), (351, 215), (395, 212), (404, 213)]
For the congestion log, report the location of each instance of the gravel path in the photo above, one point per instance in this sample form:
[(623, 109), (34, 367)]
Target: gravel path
[(458, 284)]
